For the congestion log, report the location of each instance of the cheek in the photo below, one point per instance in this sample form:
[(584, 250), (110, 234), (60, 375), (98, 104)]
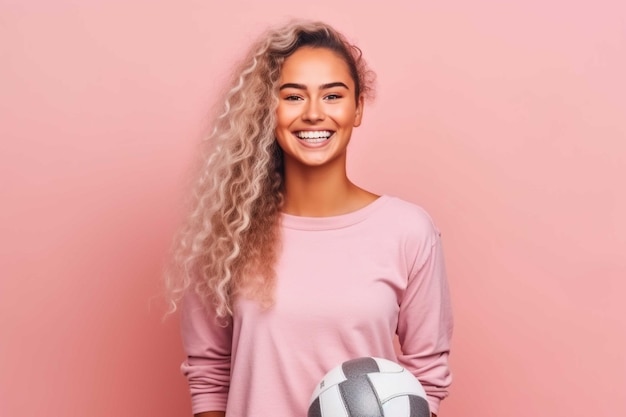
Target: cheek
[(281, 140), (284, 116), (344, 115), (282, 129)]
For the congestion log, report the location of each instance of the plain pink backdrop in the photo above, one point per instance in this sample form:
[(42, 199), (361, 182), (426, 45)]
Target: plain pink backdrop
[(506, 120)]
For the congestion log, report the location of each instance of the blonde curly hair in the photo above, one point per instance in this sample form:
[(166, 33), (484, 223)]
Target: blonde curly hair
[(231, 239)]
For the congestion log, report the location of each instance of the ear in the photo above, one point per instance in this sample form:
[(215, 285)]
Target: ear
[(359, 111)]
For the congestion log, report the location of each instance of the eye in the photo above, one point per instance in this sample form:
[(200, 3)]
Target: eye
[(333, 97), (293, 98)]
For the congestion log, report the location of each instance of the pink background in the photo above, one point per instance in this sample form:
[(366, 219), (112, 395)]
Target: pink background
[(506, 121)]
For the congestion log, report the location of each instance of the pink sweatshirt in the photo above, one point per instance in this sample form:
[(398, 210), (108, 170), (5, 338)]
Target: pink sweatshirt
[(346, 286)]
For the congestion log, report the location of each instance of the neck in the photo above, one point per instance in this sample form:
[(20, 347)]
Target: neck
[(318, 192)]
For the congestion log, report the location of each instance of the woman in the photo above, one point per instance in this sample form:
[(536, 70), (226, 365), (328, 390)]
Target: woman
[(287, 267)]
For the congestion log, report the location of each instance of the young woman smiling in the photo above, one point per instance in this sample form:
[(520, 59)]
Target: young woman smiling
[(286, 268)]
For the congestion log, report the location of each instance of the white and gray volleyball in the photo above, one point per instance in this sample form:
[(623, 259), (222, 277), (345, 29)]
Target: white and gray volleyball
[(369, 387)]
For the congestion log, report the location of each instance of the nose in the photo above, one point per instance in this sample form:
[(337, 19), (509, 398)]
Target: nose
[(313, 112)]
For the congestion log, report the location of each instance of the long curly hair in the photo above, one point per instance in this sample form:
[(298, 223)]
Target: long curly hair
[(231, 240)]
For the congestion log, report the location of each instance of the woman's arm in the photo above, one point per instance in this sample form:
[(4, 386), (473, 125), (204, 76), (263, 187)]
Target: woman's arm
[(207, 343), (425, 322)]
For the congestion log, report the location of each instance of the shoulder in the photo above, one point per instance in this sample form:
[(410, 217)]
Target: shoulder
[(403, 225), (406, 216), (414, 229)]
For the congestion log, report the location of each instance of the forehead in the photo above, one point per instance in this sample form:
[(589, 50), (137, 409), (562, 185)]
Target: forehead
[(315, 66)]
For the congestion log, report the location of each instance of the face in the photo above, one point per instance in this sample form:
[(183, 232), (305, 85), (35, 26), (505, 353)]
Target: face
[(317, 108)]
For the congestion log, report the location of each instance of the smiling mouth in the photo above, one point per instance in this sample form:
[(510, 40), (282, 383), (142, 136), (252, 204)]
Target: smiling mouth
[(313, 136)]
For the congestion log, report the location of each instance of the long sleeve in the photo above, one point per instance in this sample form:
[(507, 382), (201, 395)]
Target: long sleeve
[(425, 323), (207, 344)]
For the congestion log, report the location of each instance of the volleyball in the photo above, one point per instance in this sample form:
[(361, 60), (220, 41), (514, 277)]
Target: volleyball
[(369, 387)]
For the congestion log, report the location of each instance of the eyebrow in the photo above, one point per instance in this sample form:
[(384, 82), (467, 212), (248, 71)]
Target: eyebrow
[(321, 87)]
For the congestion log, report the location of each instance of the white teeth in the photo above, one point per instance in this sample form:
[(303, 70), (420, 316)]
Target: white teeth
[(316, 140), (314, 134)]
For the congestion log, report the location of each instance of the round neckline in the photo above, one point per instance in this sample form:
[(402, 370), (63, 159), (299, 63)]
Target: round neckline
[(292, 221)]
